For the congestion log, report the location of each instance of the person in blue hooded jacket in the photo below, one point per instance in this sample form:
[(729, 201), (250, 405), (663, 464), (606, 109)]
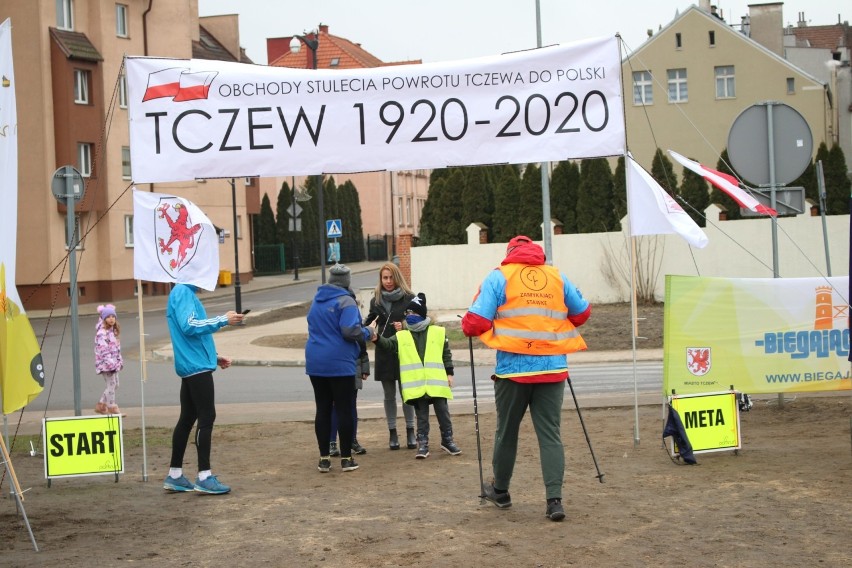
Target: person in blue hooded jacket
[(334, 333), (195, 360)]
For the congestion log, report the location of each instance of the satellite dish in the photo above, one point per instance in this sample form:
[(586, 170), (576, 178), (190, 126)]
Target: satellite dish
[(749, 144)]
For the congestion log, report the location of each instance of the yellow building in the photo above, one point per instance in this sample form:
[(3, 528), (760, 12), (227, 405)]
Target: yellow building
[(686, 85)]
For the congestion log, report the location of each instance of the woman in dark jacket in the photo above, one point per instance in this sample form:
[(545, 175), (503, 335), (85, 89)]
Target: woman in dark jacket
[(386, 308)]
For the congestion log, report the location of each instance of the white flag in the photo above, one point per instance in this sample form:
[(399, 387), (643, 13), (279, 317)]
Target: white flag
[(652, 211), (173, 241)]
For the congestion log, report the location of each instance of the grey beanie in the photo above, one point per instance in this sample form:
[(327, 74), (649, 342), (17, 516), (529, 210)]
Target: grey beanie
[(339, 275)]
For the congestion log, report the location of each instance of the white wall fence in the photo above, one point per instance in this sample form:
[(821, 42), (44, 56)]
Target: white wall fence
[(599, 263)]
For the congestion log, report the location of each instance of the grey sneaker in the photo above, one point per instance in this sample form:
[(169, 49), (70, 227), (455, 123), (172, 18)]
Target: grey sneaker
[(178, 485), (333, 450), (211, 486), (502, 500), (555, 512)]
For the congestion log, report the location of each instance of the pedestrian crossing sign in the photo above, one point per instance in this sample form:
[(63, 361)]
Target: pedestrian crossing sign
[(334, 228)]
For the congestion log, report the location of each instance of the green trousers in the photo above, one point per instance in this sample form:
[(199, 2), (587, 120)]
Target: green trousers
[(544, 401)]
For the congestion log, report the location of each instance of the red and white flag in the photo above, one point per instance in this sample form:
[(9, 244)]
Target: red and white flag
[(173, 241), (164, 83), (195, 86), (727, 183), (652, 211)]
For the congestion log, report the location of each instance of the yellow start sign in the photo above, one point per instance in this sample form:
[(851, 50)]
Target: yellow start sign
[(711, 420), (83, 445)]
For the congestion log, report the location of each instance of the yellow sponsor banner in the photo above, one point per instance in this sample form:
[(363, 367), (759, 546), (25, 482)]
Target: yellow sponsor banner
[(83, 445), (711, 420), (756, 335)]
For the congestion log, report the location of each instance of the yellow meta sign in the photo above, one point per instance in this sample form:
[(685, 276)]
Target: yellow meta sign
[(83, 445), (711, 420)]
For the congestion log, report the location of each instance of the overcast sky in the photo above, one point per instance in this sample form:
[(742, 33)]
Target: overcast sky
[(443, 30)]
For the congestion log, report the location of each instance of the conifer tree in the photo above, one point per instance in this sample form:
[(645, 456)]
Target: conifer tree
[(594, 201), (477, 199), (529, 203), (506, 193), (265, 230), (837, 183), (720, 197), (564, 186), (694, 191), (283, 210), (619, 191), (663, 171)]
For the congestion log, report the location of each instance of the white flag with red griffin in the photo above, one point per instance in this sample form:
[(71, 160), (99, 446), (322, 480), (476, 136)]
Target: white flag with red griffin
[(173, 241), (727, 183), (652, 211)]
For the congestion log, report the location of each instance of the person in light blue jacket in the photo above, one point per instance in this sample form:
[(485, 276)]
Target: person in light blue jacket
[(334, 333), (195, 360)]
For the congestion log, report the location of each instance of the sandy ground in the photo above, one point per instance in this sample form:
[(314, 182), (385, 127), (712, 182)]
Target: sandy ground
[(782, 500)]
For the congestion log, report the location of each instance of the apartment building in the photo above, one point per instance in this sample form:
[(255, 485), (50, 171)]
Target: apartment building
[(72, 110)]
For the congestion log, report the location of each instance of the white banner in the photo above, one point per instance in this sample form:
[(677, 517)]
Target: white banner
[(21, 365), (192, 118), (173, 241)]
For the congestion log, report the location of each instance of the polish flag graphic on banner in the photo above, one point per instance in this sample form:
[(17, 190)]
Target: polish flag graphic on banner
[(727, 183), (194, 86), (165, 83)]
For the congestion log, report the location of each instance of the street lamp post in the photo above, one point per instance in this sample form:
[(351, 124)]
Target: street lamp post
[(237, 288), (296, 47), (294, 220)]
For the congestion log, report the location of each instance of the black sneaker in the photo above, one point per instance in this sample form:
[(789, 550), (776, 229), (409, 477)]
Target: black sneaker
[(324, 465), (334, 451), (502, 500), (348, 464), (450, 447), (555, 512), (422, 452), (358, 449)]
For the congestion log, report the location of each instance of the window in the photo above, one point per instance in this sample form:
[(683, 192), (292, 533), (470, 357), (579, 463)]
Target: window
[(121, 20), (81, 86), (791, 86), (725, 82), (678, 42), (128, 231), (126, 172), (335, 61), (677, 86), (643, 93), (122, 91), (249, 181), (399, 211), (408, 211), (239, 227), (84, 159), (65, 14), (712, 37)]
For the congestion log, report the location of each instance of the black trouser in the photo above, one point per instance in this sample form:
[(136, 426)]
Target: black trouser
[(196, 403), (329, 393)]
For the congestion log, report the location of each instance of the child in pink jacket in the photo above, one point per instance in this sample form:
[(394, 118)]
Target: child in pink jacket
[(108, 361)]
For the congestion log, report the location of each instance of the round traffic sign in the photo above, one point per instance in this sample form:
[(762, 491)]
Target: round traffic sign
[(67, 182)]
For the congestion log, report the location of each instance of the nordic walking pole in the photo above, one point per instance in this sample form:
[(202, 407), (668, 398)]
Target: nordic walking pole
[(600, 476), (476, 419)]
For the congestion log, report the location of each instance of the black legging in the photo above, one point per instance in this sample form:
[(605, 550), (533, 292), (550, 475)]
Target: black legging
[(196, 403), (333, 392)]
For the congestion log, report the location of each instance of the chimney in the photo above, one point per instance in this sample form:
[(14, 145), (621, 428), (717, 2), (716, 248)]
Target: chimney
[(704, 6), (767, 26), (802, 23)]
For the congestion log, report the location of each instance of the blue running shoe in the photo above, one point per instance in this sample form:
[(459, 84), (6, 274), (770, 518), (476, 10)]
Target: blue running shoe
[(179, 484), (211, 485)]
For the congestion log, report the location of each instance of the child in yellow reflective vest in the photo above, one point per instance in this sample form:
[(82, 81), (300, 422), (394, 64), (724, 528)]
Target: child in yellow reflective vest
[(426, 373)]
